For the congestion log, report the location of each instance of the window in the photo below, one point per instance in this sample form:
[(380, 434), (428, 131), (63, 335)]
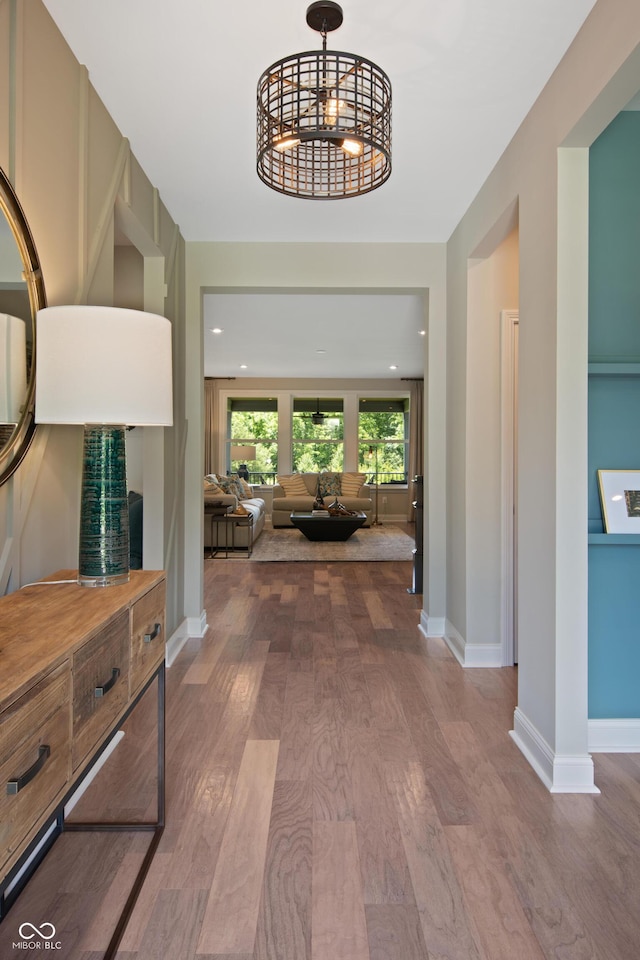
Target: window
[(318, 434), (297, 430), (383, 439), (253, 421)]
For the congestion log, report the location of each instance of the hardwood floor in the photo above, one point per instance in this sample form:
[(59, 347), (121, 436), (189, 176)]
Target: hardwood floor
[(339, 788)]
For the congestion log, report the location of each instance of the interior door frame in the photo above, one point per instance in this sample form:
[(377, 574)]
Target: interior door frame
[(509, 320)]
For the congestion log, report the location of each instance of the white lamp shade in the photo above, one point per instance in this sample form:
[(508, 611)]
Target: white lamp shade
[(243, 453), (13, 368), (103, 365)]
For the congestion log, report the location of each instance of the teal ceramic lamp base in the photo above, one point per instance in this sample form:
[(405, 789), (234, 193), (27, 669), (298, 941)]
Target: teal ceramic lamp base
[(104, 513)]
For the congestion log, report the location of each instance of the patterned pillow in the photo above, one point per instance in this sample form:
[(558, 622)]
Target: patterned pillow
[(213, 488), (211, 484), (351, 483), (231, 485), (248, 492), (330, 484), (293, 485)]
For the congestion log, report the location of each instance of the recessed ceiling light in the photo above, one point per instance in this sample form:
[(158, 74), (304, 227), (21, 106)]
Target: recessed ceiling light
[(216, 330), (243, 366), (422, 333), (394, 366), (321, 351)]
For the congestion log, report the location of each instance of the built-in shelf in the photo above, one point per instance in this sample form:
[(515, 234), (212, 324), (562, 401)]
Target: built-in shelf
[(627, 368), (615, 539)]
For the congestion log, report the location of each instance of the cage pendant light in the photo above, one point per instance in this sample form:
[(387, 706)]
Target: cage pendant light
[(324, 120)]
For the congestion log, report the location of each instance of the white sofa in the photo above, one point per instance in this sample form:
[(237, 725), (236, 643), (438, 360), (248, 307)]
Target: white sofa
[(213, 497), (355, 496)]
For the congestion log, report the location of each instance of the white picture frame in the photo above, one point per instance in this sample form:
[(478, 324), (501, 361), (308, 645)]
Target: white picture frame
[(620, 500)]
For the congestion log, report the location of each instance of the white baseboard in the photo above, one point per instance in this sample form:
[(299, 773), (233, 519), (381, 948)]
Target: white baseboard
[(190, 627), (467, 654), (431, 626), (455, 641), (472, 654), (614, 736), (560, 774)]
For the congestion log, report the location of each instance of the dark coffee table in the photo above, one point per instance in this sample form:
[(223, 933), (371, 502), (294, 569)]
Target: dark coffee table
[(316, 527)]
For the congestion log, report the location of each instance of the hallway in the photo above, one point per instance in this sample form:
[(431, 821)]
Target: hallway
[(340, 789)]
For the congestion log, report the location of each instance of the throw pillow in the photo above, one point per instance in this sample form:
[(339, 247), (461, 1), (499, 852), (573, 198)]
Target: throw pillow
[(231, 485), (240, 511), (293, 485), (211, 487), (248, 492), (329, 484), (351, 483)]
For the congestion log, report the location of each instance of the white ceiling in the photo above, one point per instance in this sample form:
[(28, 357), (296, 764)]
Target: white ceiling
[(179, 79), (313, 335)]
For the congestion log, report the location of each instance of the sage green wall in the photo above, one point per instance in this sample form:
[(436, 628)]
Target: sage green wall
[(76, 176), (543, 170)]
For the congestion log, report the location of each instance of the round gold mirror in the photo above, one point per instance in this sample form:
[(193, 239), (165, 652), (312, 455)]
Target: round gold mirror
[(21, 296)]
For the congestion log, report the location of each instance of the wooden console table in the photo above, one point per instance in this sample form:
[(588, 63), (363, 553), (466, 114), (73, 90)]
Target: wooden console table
[(74, 662)]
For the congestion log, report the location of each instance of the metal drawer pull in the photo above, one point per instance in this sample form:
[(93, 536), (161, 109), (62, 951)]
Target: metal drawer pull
[(148, 637), (15, 786), (100, 691)]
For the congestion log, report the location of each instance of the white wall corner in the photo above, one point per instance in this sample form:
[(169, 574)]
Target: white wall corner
[(472, 654), (560, 774), (455, 642), (190, 627), (614, 736), (431, 626)]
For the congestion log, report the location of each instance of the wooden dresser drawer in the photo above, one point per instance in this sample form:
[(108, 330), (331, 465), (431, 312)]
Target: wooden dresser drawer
[(100, 685), (34, 757), (147, 635)]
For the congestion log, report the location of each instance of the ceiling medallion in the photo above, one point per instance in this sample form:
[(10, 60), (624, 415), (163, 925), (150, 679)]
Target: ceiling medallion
[(324, 120)]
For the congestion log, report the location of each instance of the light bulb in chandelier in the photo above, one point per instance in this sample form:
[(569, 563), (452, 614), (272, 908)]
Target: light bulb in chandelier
[(333, 109), (353, 147), (287, 142)]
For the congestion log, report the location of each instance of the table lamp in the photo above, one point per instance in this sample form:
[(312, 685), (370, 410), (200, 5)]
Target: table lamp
[(243, 454), (105, 368)]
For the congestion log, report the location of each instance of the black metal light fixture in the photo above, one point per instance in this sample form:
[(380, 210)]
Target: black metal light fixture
[(324, 120)]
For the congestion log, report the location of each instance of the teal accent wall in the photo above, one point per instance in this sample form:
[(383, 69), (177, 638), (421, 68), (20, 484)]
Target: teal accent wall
[(614, 631), (614, 240), (614, 412)]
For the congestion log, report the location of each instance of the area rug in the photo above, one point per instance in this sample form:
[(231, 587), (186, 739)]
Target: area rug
[(373, 543)]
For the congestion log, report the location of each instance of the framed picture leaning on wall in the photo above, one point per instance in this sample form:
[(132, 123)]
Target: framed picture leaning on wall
[(620, 500)]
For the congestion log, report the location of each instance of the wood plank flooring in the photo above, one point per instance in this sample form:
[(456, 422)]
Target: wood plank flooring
[(339, 788)]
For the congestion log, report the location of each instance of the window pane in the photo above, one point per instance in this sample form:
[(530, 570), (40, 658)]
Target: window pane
[(318, 419), (383, 435), (381, 426), (253, 421), (314, 457), (255, 425), (384, 460)]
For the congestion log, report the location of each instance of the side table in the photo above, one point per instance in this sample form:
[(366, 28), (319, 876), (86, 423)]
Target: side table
[(213, 512), (230, 522)]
